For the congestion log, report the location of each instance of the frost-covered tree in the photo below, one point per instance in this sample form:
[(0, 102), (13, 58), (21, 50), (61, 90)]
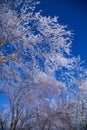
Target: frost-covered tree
[(80, 92), (32, 48), (28, 98), (26, 32)]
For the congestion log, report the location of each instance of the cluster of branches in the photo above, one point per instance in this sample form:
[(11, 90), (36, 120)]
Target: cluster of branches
[(44, 83)]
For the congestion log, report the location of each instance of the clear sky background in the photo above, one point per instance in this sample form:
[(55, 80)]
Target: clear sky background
[(74, 14)]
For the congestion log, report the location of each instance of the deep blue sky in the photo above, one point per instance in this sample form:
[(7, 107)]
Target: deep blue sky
[(3, 101), (74, 14)]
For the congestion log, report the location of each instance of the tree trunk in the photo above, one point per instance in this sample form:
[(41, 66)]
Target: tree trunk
[(2, 128)]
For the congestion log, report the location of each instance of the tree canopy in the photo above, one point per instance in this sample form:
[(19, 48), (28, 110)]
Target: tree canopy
[(44, 82)]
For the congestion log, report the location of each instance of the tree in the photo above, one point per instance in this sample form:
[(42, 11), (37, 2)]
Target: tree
[(4, 119), (29, 98), (80, 83), (32, 48), (22, 28)]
